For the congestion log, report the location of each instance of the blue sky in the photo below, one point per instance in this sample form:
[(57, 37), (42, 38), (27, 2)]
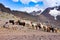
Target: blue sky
[(29, 5)]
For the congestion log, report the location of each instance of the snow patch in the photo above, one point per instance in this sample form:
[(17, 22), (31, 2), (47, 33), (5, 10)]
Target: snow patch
[(54, 13)]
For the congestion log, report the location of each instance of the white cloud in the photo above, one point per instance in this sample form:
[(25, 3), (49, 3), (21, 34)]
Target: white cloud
[(54, 13), (15, 0), (27, 1), (36, 1), (47, 3), (30, 9), (51, 3)]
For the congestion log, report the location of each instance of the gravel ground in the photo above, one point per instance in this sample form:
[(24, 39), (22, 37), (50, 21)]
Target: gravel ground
[(25, 34)]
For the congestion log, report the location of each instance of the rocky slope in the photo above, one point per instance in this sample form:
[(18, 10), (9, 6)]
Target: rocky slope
[(35, 13)]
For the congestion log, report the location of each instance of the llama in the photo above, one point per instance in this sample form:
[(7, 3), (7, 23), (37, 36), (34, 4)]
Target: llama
[(56, 30), (11, 21), (34, 25), (20, 23), (28, 23)]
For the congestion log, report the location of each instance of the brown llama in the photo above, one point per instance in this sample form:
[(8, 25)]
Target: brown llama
[(20, 23)]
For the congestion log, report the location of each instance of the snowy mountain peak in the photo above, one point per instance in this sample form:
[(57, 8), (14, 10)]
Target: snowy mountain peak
[(54, 13)]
